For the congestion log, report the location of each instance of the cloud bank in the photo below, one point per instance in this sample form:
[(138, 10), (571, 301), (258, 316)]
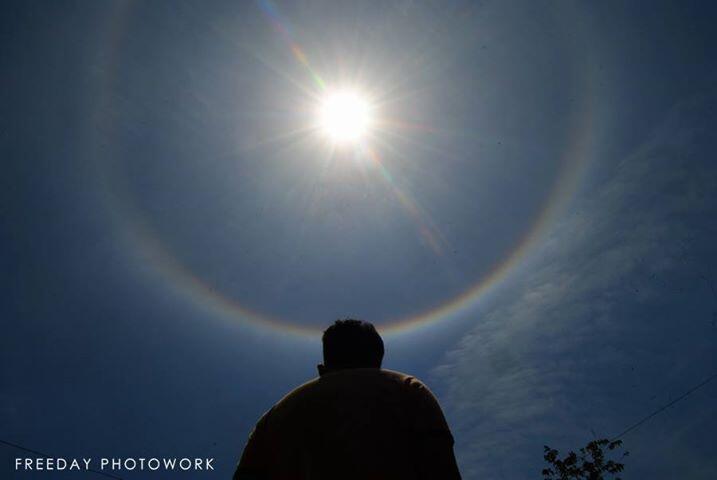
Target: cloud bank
[(614, 317)]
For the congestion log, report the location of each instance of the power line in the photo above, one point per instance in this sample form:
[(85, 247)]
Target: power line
[(665, 407), (20, 447)]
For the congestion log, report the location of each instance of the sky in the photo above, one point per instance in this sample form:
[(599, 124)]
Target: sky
[(529, 220)]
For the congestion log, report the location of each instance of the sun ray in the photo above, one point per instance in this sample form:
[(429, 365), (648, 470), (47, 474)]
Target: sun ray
[(288, 136)]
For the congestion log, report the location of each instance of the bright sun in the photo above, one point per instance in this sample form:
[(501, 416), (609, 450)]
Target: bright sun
[(344, 116)]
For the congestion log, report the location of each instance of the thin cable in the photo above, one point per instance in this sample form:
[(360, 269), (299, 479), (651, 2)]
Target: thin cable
[(14, 445), (665, 407)]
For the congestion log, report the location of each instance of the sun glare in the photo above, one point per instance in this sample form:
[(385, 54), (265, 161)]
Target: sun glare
[(344, 116)]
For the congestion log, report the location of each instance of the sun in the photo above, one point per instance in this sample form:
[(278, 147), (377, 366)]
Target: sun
[(344, 116)]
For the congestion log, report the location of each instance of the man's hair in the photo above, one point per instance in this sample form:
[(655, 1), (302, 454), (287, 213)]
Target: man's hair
[(352, 344)]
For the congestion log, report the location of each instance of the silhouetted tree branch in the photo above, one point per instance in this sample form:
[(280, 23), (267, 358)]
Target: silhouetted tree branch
[(591, 464)]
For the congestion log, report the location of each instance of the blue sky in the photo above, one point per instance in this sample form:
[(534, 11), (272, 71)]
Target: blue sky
[(164, 195)]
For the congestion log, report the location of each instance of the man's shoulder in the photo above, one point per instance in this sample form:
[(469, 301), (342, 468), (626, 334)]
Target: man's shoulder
[(357, 376), (304, 389), (351, 391), (404, 378)]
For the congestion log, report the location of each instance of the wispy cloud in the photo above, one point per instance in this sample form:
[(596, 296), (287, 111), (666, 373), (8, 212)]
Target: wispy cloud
[(616, 317)]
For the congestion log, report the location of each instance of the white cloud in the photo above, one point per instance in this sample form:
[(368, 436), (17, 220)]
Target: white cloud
[(619, 308)]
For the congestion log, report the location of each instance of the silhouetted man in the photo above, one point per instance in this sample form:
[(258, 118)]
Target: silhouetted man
[(355, 422)]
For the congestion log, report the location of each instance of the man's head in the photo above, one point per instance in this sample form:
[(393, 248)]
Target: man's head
[(351, 344)]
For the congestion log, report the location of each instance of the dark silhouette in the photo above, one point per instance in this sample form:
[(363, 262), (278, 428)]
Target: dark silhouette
[(591, 464), (355, 421)]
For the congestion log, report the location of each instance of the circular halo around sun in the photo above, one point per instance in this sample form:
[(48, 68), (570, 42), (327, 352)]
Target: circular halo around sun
[(344, 116)]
